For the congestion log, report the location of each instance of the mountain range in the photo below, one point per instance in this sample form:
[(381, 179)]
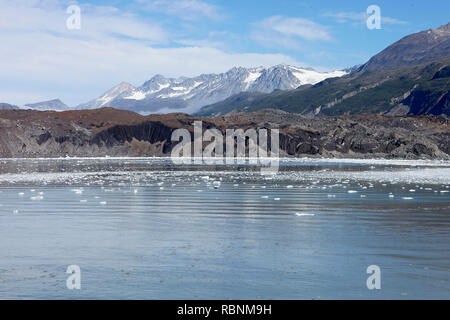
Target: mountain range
[(161, 94), (412, 76), (364, 113)]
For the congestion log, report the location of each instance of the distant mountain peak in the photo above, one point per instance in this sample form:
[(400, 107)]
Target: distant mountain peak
[(158, 77), (121, 87), (7, 106), (55, 104), (108, 96)]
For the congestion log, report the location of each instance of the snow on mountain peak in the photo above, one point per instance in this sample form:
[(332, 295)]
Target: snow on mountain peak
[(117, 90), (54, 104), (190, 94)]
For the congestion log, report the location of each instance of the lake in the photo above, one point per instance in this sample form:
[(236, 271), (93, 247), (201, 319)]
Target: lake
[(147, 229)]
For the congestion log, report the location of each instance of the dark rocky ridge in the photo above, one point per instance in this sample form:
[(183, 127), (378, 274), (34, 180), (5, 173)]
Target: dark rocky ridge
[(107, 131)]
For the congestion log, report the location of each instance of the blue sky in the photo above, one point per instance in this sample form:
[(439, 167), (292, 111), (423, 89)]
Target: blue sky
[(134, 40)]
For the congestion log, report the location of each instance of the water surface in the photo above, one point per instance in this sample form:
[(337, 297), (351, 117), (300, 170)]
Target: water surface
[(144, 228)]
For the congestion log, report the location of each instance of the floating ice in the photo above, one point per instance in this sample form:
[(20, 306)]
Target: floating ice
[(303, 214), (77, 191), (118, 174)]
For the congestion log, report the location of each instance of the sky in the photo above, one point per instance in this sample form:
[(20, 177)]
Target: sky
[(42, 59)]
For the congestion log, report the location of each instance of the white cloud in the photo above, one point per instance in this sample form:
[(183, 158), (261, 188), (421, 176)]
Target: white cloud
[(215, 39), (360, 17), (290, 33), (184, 9), (392, 20), (96, 22), (43, 60), (296, 27)]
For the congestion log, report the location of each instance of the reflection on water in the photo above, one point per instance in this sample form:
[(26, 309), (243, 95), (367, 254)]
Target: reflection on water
[(143, 228)]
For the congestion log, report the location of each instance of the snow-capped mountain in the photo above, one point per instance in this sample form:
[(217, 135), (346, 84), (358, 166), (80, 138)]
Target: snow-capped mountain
[(108, 96), (54, 104), (160, 94), (7, 106)]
